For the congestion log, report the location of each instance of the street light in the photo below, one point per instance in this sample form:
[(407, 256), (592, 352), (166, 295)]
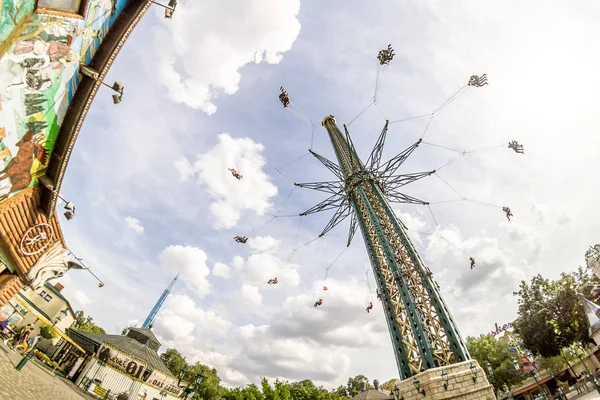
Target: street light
[(70, 207), (169, 9), (529, 356), (80, 261), (189, 388), (117, 86), (574, 352)]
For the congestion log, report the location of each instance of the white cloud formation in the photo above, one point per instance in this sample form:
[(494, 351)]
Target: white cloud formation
[(190, 262), (82, 299), (251, 294), (232, 196), (134, 224), (238, 263), (303, 341), (261, 267), (222, 270), (202, 54), (263, 243), (181, 320)]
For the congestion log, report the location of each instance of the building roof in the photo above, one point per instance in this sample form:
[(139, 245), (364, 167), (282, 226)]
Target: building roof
[(372, 394), (147, 332), (91, 341), (592, 311)]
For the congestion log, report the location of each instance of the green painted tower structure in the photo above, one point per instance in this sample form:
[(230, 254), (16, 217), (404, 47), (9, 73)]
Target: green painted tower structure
[(424, 335)]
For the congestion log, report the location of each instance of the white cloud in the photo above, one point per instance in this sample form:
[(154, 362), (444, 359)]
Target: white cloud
[(238, 263), (264, 266), (251, 294), (263, 243), (134, 323), (202, 54), (135, 224), (190, 262), (232, 196), (81, 299), (302, 340), (222, 270), (181, 320)]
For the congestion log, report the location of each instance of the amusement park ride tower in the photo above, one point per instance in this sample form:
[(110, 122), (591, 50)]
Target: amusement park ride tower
[(427, 344), (423, 332)]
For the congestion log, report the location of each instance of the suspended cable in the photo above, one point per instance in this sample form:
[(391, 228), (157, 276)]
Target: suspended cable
[(334, 261), (361, 113), (409, 118), (450, 99), (449, 162), (450, 186), (484, 203), (381, 112), (444, 147), (282, 174), (273, 217), (427, 126), (291, 162)]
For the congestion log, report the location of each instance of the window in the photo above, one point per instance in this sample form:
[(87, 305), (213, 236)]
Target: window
[(45, 296), (70, 7)]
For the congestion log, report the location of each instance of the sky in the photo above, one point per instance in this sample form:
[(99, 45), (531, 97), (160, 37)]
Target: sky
[(155, 198)]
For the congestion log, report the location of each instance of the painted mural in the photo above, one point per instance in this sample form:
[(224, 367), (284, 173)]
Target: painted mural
[(38, 77), (12, 15)]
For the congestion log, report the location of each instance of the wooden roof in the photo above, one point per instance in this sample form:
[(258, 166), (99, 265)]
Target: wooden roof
[(17, 215), (83, 97)]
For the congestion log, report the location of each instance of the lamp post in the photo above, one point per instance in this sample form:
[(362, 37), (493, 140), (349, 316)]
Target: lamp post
[(395, 394), (529, 356), (190, 387), (573, 352), (69, 206), (169, 9)]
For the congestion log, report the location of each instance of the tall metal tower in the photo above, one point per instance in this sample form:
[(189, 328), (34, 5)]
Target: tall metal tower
[(424, 334), (150, 319)]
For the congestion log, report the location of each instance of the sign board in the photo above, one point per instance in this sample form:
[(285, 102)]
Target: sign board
[(99, 391), (500, 329), (121, 361), (163, 381)]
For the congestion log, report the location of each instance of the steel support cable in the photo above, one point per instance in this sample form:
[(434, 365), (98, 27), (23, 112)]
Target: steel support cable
[(362, 112), (273, 217), (410, 118), (438, 229), (427, 126), (450, 99), (450, 186), (282, 166), (450, 162), (464, 152), (440, 236), (381, 112), (369, 286), (334, 261)]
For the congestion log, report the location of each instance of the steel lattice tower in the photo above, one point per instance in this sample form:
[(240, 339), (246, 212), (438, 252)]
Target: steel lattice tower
[(424, 334), (150, 319)]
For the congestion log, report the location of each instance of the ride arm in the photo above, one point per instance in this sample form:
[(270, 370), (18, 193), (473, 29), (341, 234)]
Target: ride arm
[(333, 167), (330, 203), (353, 226), (374, 160), (332, 187), (341, 214), (396, 181), (389, 168), (395, 196)]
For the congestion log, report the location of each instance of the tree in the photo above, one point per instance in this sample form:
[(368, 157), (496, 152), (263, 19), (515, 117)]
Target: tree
[(389, 385), (173, 360), (209, 389), (486, 349), (48, 332), (354, 385), (550, 316), (86, 324)]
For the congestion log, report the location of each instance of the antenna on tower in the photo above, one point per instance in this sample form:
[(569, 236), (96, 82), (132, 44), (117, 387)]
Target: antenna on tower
[(150, 319)]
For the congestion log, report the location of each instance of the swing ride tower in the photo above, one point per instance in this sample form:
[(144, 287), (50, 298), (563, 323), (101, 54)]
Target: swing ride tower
[(424, 334)]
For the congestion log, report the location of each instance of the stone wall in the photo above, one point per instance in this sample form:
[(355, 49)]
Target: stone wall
[(460, 384)]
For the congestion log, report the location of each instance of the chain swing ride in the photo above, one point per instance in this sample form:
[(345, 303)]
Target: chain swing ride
[(424, 334)]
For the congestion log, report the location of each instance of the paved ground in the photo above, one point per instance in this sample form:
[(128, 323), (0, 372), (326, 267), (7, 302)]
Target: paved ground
[(593, 395), (32, 382)]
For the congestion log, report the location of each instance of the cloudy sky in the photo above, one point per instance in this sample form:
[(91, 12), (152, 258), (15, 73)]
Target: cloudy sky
[(154, 196)]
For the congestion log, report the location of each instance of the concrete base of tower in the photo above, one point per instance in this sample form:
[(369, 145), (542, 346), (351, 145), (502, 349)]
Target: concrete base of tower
[(461, 381)]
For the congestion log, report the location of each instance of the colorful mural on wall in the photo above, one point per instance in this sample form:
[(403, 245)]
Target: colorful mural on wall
[(38, 77), (12, 14)]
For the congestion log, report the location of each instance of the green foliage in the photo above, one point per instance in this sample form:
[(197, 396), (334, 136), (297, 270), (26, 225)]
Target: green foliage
[(550, 316), (353, 386), (487, 349), (86, 324), (173, 360), (48, 332)]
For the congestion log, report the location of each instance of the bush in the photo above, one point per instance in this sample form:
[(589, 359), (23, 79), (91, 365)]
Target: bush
[(47, 332)]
